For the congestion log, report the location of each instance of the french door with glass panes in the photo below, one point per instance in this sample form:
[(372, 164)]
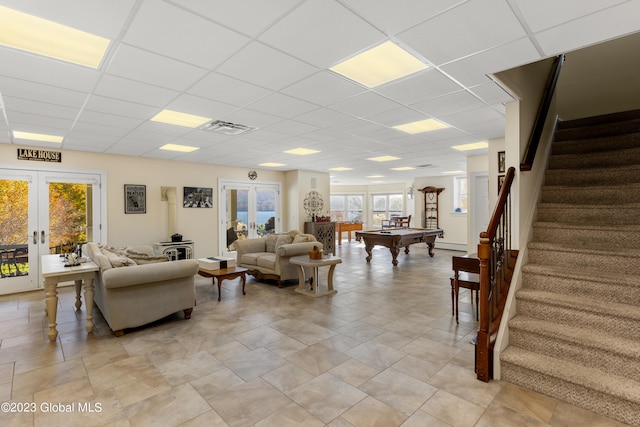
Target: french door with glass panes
[(247, 210), (43, 212)]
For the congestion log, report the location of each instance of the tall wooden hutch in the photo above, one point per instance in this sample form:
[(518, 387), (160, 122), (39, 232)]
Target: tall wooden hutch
[(431, 195)]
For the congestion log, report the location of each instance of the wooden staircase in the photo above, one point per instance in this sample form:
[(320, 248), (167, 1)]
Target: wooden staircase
[(576, 336)]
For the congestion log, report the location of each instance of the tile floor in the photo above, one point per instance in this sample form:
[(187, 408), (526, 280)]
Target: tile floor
[(384, 351)]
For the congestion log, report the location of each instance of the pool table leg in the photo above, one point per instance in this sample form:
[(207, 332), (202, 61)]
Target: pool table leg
[(431, 246)]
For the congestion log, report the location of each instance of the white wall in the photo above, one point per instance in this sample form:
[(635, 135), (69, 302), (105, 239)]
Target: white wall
[(197, 224)]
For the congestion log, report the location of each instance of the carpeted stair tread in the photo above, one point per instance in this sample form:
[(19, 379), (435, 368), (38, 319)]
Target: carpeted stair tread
[(619, 116), (581, 303), (594, 176), (581, 274), (626, 214), (595, 249), (586, 235), (588, 377), (593, 195), (600, 159), (592, 145), (598, 130), (578, 335)]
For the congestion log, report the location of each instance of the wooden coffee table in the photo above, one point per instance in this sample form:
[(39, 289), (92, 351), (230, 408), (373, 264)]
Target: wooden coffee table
[(225, 273)]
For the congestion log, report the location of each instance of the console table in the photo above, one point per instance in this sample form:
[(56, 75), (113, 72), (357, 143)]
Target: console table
[(54, 272), (325, 233)]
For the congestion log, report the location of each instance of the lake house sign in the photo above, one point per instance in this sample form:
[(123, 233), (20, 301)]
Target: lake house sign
[(39, 155)]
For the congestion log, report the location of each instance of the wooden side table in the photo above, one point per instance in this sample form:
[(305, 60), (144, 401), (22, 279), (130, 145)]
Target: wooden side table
[(225, 274), (304, 261)]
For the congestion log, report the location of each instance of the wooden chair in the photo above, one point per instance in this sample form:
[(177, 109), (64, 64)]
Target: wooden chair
[(466, 274), (396, 221)]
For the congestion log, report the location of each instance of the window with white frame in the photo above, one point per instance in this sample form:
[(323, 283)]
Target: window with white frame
[(460, 198), (347, 207), (386, 205)]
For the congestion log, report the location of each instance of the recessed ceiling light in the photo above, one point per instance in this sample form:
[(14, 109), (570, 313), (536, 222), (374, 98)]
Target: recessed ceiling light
[(379, 65), (272, 164), (37, 136), (179, 119), (383, 158), (302, 151), (340, 168), (472, 146), (420, 126), (403, 168), (454, 172), (43, 37), (181, 148)]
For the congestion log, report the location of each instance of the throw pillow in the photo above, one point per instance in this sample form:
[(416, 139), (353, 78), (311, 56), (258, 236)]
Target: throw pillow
[(142, 258), (116, 259), (302, 238), (283, 239), (270, 244)]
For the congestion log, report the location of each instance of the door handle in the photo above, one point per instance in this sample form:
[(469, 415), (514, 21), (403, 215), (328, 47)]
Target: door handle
[(42, 237), (35, 237)]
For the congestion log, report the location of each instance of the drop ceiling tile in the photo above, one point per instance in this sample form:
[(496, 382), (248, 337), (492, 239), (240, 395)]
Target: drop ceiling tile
[(41, 92), (356, 127), (100, 129), (250, 17), (447, 104), (172, 31), (492, 93), (323, 135), (137, 64), (200, 106), (425, 85), (608, 24), (265, 135), (473, 69), (164, 129), (324, 88), (323, 117), (384, 14), (82, 145), (291, 127), (129, 90), (149, 139), (399, 116), (39, 108), (264, 66), (543, 14), (46, 71), (40, 124), (469, 120), (282, 105), (228, 90), (105, 19), (465, 29), (96, 117), (251, 118), (118, 107), (365, 105), (304, 33)]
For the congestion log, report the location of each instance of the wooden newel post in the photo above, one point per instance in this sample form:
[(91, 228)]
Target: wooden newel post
[(482, 341)]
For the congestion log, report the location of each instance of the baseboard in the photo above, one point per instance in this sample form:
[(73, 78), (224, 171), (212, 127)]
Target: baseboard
[(451, 246)]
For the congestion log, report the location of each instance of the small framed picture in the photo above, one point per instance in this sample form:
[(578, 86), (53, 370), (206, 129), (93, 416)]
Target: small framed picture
[(500, 182), (501, 162), (135, 199), (197, 197)]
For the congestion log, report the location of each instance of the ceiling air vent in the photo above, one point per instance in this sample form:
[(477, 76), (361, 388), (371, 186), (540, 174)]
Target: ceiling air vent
[(226, 127), (428, 165)]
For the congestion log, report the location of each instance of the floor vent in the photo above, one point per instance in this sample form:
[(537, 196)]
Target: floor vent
[(226, 127)]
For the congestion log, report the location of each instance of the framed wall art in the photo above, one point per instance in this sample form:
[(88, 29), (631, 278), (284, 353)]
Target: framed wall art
[(501, 162), (500, 182), (135, 199), (197, 197)]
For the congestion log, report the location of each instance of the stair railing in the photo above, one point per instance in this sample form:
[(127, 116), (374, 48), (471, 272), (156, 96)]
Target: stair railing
[(543, 112), (497, 261)]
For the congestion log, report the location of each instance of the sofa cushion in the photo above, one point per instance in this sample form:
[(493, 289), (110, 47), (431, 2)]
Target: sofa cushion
[(267, 261), (283, 239), (304, 238), (252, 258), (143, 258), (116, 259), (271, 241)]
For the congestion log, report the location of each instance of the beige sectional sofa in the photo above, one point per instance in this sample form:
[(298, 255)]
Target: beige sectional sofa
[(268, 257), (134, 286)]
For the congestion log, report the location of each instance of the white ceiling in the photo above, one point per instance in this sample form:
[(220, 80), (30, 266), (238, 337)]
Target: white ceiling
[(265, 64)]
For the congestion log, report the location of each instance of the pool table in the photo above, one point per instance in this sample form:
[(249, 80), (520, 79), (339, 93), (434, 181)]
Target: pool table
[(396, 238)]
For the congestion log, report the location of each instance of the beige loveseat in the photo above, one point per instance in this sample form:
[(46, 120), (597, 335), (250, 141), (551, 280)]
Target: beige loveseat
[(268, 257), (134, 286)]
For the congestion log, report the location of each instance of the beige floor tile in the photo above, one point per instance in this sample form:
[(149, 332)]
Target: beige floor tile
[(317, 359), (290, 415), (326, 396), (375, 354), (453, 410), (417, 368), (216, 384), (464, 384), (252, 364), (354, 372), (370, 412), (96, 410), (422, 419), (287, 377), (259, 337), (28, 383), (189, 368), (568, 415), (208, 419), (527, 402), (398, 390), (285, 346)]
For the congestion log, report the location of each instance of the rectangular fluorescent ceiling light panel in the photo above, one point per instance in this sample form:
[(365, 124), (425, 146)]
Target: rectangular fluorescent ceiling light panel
[(383, 158), (472, 146), (37, 136), (180, 148), (341, 168), (375, 176), (427, 125), (40, 36), (378, 65), (454, 172), (179, 119), (403, 168), (302, 151), (272, 164)]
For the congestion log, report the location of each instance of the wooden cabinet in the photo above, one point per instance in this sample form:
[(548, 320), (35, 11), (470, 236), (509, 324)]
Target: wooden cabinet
[(431, 213), (325, 233)]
